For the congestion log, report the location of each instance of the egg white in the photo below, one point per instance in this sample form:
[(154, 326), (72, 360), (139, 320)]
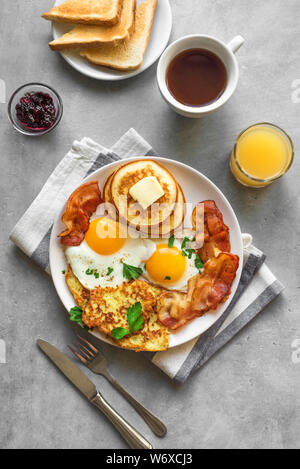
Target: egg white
[(81, 258), (190, 270)]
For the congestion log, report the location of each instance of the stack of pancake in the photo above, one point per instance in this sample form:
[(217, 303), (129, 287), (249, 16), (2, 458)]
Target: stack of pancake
[(160, 219)]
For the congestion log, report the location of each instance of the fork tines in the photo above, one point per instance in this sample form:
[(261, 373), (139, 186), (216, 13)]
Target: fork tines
[(83, 352)]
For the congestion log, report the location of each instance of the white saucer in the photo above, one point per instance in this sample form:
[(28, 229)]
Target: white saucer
[(160, 34)]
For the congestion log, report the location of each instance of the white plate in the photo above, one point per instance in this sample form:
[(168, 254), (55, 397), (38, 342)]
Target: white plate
[(196, 187), (160, 34)]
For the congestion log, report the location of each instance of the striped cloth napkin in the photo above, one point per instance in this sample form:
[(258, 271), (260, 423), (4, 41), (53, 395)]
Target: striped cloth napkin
[(258, 286)]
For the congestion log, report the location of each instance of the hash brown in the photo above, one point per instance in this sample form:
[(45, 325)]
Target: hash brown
[(80, 293), (107, 310)]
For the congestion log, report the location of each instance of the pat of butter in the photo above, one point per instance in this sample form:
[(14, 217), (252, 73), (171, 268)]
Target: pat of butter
[(146, 191)]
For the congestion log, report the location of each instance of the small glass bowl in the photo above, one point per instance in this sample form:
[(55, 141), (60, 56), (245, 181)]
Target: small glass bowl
[(15, 99)]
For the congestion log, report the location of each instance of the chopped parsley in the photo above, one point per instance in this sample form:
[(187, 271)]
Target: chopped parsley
[(187, 252), (130, 272), (92, 272), (135, 321), (171, 241), (184, 242), (198, 263), (167, 277), (76, 315), (109, 271), (190, 252), (63, 272)]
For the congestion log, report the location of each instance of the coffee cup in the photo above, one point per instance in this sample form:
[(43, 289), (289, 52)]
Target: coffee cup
[(224, 52)]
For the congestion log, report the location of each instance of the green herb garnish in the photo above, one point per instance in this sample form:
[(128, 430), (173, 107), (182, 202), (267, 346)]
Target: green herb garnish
[(198, 263), (190, 252), (109, 271), (92, 272), (171, 241), (135, 321), (167, 277), (119, 332), (138, 324), (63, 272), (130, 272), (184, 242), (76, 315)]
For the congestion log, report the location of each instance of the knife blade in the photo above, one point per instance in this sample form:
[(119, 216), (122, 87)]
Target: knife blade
[(88, 389), (69, 369)]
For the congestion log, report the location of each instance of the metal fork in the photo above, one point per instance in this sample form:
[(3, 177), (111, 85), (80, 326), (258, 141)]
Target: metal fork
[(93, 359)]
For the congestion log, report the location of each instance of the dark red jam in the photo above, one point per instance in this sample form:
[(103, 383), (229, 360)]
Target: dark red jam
[(36, 110)]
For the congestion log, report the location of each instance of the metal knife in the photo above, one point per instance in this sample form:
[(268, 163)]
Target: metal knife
[(88, 389)]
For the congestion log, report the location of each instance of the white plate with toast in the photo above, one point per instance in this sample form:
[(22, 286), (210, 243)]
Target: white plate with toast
[(196, 188), (158, 40)]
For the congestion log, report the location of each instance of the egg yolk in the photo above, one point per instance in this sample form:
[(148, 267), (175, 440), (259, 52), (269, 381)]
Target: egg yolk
[(166, 265), (103, 236)]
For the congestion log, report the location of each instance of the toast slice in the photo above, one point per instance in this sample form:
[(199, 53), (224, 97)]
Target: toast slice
[(86, 12), (91, 35), (128, 55)]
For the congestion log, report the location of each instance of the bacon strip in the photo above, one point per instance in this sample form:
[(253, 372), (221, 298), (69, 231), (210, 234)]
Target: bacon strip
[(205, 292), (81, 204), (216, 233)]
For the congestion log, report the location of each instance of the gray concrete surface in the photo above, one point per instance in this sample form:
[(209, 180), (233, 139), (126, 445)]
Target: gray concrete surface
[(248, 395)]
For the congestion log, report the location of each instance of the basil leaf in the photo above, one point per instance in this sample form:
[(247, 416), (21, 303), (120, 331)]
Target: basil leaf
[(130, 272), (119, 332), (138, 324), (171, 241), (76, 315), (133, 314)]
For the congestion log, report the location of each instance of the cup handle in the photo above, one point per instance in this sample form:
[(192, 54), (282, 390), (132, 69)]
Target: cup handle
[(236, 43)]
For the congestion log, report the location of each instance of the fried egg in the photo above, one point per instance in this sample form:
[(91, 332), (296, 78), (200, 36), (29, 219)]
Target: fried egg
[(98, 260), (170, 267)]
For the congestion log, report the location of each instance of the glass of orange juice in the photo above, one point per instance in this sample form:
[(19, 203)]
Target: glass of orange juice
[(262, 154)]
